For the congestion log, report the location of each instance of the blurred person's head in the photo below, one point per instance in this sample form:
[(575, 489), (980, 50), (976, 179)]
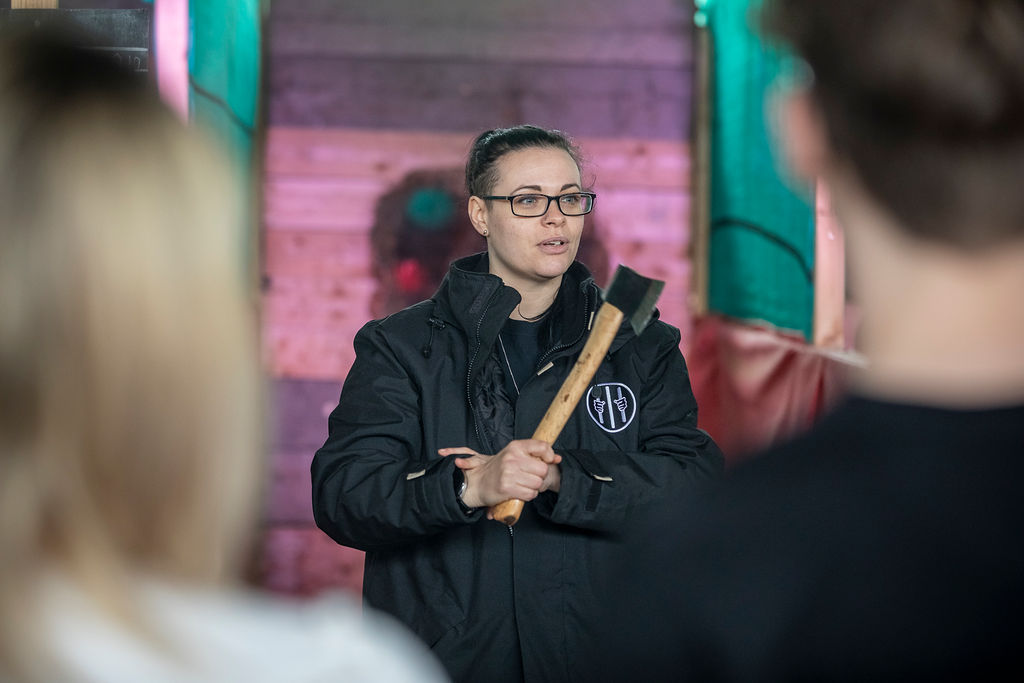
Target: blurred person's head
[(129, 384), (911, 112), (921, 103)]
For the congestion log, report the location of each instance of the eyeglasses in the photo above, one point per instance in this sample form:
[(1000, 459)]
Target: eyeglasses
[(533, 205)]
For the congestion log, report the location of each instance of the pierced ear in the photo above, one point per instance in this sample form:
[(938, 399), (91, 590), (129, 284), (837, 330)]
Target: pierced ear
[(800, 133), (477, 210)]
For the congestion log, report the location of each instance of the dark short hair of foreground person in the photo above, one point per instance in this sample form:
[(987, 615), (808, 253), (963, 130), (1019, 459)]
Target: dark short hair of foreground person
[(886, 542)]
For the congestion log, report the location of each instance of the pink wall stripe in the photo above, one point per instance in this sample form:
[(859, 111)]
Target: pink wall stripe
[(172, 44)]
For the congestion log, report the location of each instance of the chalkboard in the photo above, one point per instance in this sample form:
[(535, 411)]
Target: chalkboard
[(126, 34)]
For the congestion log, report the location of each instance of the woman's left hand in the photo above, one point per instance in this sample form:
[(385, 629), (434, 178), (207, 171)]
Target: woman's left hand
[(521, 470)]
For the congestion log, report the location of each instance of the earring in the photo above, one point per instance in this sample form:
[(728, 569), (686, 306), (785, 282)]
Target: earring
[(485, 232)]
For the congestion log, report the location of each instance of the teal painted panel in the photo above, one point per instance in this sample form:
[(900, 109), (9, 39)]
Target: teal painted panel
[(762, 231), (225, 90), (224, 70)]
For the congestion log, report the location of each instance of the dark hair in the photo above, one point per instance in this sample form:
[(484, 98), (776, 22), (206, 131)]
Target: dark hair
[(925, 100), (418, 230), (490, 146)]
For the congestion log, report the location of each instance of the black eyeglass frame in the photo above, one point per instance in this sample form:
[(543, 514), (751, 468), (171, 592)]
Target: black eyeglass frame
[(512, 197)]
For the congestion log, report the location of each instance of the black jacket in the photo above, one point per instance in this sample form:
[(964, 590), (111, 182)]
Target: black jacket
[(498, 603)]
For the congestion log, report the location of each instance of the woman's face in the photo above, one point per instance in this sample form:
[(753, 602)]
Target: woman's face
[(525, 251)]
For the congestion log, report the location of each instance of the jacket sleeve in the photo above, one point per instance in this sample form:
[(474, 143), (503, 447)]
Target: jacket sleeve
[(600, 489), (373, 486)]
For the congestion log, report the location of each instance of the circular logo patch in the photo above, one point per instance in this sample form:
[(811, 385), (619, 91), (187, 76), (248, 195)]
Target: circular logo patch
[(611, 406)]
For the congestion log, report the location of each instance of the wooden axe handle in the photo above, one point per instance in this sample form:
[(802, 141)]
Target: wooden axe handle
[(606, 326)]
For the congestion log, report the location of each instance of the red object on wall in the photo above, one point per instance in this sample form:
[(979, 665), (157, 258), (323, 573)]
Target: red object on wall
[(410, 275), (756, 386)]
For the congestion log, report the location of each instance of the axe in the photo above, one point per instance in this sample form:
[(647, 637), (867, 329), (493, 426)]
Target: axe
[(629, 296)]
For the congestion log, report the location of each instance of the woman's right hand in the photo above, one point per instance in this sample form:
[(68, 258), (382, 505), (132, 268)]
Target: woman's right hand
[(519, 470)]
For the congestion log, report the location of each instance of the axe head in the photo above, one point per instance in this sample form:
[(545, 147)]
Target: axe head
[(634, 295)]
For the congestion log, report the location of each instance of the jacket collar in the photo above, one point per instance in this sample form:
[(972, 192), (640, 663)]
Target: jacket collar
[(475, 300), (469, 291), (480, 303)]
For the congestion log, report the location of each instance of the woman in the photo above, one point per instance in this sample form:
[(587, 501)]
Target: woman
[(130, 438), (469, 374)]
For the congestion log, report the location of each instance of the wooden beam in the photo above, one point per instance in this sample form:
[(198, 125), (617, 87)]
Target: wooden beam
[(170, 24), (829, 275), (700, 178)]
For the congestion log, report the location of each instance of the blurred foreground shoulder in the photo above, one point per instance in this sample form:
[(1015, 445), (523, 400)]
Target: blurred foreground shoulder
[(204, 635)]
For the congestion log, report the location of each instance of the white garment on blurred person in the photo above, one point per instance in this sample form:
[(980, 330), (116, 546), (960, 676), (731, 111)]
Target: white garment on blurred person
[(202, 635)]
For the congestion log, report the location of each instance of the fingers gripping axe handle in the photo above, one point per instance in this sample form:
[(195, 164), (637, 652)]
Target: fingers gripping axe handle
[(629, 295), (606, 324)]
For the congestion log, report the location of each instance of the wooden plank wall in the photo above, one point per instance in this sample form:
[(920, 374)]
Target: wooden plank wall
[(591, 67), (321, 189), (360, 93)]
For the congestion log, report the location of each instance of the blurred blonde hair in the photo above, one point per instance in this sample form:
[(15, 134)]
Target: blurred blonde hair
[(130, 395)]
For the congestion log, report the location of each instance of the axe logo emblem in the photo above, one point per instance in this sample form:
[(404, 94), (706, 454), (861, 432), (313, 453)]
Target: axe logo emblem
[(612, 406)]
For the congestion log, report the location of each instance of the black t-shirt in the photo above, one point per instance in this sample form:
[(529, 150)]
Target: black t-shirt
[(885, 544), (519, 349)]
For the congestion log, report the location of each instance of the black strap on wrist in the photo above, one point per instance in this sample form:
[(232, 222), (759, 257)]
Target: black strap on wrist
[(459, 481)]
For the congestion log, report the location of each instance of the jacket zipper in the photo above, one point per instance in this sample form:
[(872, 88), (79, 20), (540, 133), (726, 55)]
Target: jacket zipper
[(469, 371), (560, 347)]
